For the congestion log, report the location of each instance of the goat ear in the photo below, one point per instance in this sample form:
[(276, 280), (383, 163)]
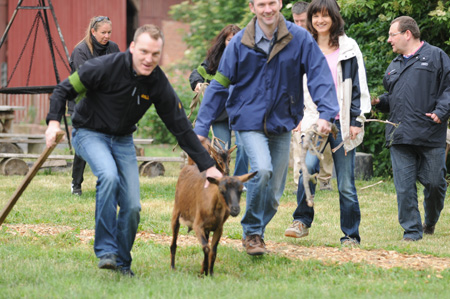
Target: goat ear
[(232, 149), (245, 177), (213, 180)]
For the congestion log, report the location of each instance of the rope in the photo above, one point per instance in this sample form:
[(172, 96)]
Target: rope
[(23, 50), (38, 15)]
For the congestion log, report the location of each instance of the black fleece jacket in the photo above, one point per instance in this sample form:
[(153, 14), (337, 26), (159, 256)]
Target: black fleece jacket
[(114, 99)]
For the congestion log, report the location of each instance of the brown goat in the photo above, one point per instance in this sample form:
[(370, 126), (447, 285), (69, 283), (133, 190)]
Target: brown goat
[(205, 210)]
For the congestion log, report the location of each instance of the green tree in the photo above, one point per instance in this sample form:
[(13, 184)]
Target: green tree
[(206, 18)]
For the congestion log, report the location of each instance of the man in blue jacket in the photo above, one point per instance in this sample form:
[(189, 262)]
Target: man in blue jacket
[(259, 82), (116, 90), (418, 100)]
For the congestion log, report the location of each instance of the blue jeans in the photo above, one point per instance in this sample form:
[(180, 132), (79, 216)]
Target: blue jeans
[(269, 155), (222, 131), (241, 165), (344, 165), (113, 161), (427, 165)]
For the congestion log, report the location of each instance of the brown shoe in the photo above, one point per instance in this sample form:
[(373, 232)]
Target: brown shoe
[(428, 230), (255, 245)]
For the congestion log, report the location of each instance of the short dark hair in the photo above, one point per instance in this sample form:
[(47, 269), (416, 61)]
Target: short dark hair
[(299, 7), (407, 23), (151, 30)]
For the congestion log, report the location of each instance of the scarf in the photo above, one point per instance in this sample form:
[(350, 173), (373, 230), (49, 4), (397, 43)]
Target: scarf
[(99, 49)]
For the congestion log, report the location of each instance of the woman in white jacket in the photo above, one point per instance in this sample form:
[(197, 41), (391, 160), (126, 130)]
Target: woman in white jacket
[(347, 67)]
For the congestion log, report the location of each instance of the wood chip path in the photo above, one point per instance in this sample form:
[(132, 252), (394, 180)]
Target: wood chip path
[(377, 257)]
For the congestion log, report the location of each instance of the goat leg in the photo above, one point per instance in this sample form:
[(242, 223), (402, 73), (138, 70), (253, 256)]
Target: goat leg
[(203, 237), (305, 173), (214, 244), (173, 246)]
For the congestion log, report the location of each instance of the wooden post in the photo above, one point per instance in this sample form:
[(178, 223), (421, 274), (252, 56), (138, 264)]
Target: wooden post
[(30, 175)]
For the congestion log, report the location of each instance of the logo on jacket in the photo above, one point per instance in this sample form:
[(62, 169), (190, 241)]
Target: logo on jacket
[(145, 96)]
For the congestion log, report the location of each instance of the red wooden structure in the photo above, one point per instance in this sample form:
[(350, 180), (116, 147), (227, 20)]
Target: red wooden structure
[(73, 18)]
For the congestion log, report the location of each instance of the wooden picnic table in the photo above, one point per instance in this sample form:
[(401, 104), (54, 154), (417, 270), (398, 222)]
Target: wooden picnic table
[(7, 117)]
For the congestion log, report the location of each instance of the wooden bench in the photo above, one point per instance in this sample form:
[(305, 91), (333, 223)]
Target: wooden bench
[(13, 161), (40, 139)]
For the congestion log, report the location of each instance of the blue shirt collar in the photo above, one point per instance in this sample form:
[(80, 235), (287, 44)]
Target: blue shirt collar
[(261, 40)]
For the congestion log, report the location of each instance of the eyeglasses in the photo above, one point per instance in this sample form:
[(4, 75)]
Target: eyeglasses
[(397, 33), (99, 19)]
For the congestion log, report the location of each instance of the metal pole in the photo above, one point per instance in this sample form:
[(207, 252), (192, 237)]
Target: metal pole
[(59, 30), (9, 24), (49, 38)]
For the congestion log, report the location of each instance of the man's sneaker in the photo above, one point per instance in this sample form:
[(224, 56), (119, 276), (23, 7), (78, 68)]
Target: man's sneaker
[(76, 189), (350, 243), (297, 230), (428, 230), (108, 261), (254, 245), (325, 186), (125, 272)]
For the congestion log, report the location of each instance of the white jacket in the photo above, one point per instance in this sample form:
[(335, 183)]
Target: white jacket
[(348, 49)]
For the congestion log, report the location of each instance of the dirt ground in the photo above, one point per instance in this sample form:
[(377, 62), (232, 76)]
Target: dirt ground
[(378, 257)]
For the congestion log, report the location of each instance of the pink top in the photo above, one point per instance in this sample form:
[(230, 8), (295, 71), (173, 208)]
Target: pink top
[(332, 60)]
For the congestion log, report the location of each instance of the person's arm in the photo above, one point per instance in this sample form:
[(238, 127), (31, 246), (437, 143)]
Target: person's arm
[(171, 111), (360, 103), (216, 95), (200, 75), (77, 58), (64, 90), (195, 79), (442, 109), (382, 103)]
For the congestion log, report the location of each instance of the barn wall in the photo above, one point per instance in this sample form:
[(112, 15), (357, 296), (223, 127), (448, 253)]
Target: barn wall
[(73, 17)]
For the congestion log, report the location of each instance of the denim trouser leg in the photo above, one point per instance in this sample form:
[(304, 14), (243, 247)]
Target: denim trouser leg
[(241, 165), (432, 177), (409, 164), (344, 164), (113, 161), (269, 155), (222, 131)]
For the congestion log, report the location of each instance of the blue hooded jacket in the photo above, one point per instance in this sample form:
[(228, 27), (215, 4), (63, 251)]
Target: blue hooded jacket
[(265, 92)]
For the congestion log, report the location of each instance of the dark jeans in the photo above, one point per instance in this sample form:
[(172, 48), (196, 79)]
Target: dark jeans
[(411, 163), (77, 170)]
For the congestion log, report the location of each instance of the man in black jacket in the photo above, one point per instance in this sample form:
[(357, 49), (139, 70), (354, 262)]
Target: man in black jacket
[(116, 90), (418, 100)]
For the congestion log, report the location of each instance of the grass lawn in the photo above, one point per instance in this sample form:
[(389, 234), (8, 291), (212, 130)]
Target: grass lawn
[(49, 264)]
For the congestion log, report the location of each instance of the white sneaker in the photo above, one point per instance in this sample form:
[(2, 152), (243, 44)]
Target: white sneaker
[(297, 230)]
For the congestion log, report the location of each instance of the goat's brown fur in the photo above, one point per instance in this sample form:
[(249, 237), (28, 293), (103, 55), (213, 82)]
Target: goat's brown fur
[(205, 210)]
